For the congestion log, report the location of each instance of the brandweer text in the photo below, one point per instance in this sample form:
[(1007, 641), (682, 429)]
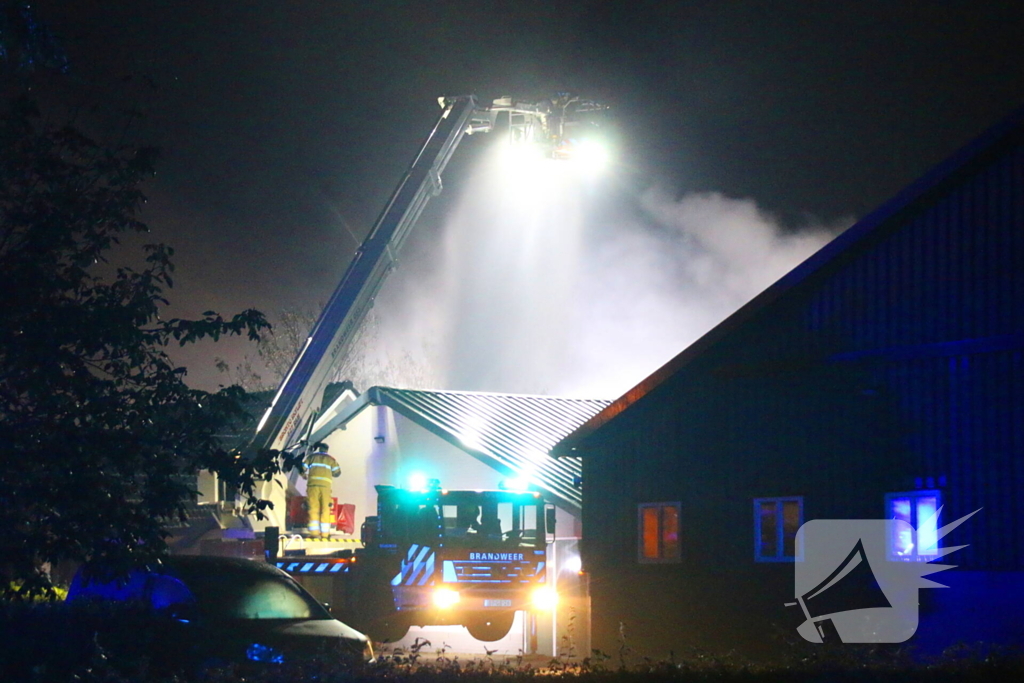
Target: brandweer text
[(505, 557)]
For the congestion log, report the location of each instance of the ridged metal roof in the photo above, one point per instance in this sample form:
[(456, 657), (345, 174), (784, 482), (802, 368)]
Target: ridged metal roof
[(512, 433)]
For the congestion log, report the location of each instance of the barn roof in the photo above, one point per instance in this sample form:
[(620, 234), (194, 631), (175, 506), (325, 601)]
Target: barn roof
[(511, 433), (848, 245)]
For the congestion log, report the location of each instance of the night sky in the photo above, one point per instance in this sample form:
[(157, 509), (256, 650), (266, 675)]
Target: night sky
[(285, 125)]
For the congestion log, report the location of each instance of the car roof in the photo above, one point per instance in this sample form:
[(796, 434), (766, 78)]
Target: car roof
[(214, 563)]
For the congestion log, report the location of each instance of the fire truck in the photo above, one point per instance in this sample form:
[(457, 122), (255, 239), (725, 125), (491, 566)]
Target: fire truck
[(423, 562), (435, 556)]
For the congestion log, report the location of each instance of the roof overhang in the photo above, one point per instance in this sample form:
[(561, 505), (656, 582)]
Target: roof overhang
[(510, 433)]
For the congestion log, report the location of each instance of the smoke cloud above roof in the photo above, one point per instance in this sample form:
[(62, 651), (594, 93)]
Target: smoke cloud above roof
[(547, 279)]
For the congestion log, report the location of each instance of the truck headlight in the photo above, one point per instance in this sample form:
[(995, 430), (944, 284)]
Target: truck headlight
[(445, 598), (544, 598)]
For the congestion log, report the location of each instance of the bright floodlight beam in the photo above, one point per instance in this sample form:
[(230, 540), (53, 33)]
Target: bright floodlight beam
[(560, 128), (593, 153)]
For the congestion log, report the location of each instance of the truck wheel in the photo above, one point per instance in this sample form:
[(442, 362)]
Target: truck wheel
[(374, 610), (494, 627), (388, 629)]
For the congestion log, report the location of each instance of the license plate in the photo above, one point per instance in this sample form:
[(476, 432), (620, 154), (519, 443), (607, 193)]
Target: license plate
[(497, 603)]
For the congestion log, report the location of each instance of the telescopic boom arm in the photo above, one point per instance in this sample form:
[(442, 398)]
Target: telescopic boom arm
[(298, 398)]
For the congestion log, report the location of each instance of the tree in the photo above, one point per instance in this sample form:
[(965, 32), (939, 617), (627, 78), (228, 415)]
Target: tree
[(365, 362), (100, 437), (275, 353)]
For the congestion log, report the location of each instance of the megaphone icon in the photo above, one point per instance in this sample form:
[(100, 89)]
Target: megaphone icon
[(851, 586), (855, 602)]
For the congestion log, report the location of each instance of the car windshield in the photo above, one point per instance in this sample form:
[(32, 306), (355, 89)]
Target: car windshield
[(251, 595)]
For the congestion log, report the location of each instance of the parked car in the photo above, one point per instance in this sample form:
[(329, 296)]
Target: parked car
[(208, 611)]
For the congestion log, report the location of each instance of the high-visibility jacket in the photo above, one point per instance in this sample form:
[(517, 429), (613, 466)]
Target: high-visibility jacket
[(320, 469)]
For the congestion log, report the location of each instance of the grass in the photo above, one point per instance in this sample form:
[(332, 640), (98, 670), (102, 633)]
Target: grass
[(57, 643)]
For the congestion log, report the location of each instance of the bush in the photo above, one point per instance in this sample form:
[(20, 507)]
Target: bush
[(52, 642)]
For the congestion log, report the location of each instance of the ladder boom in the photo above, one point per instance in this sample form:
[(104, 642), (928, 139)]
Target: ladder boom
[(298, 398)]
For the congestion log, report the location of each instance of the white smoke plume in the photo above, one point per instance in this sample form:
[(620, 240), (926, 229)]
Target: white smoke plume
[(550, 282), (667, 277)]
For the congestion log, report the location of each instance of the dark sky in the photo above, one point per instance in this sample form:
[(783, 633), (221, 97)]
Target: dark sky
[(285, 125)]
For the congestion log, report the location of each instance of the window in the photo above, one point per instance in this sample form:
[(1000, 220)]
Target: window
[(471, 518), (658, 532), (237, 594), (913, 533), (776, 521)]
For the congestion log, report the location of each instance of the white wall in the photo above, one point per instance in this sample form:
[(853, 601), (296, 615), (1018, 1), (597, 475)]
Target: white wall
[(424, 452), (360, 457)]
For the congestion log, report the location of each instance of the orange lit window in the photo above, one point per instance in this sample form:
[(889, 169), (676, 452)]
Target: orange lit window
[(658, 532), (776, 521)]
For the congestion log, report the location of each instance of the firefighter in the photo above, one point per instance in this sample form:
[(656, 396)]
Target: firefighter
[(321, 468), (467, 518), (490, 524)]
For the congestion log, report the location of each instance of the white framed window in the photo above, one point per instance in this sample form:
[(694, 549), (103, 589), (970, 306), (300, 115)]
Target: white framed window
[(913, 531), (776, 521), (658, 532)]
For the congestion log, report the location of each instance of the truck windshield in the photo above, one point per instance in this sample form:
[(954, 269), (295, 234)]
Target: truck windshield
[(461, 518), (491, 523)]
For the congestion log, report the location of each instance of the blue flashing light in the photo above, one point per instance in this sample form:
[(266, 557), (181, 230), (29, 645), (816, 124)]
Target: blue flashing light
[(417, 481), (519, 483), (337, 567), (257, 652), (321, 568), (306, 567)]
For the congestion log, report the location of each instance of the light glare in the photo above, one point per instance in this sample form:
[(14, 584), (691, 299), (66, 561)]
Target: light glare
[(592, 154), (544, 598), (520, 483), (521, 156), (445, 598)]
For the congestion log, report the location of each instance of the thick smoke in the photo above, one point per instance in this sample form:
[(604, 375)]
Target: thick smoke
[(667, 276), (552, 280)]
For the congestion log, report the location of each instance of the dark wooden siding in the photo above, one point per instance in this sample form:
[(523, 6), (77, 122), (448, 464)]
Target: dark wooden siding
[(897, 367)]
